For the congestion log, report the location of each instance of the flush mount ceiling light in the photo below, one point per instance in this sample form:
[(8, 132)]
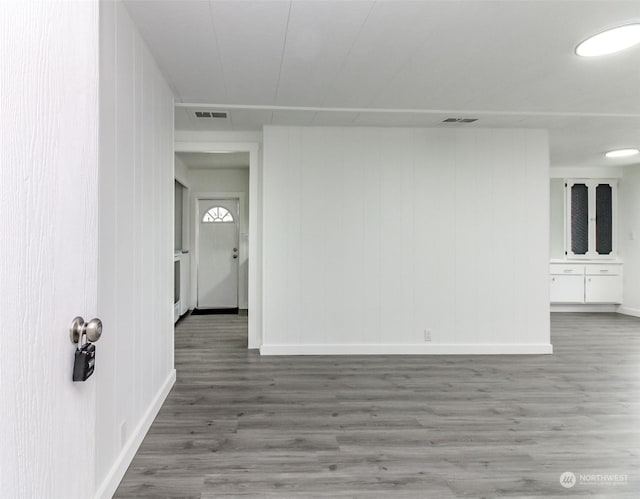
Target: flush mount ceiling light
[(610, 41), (621, 153)]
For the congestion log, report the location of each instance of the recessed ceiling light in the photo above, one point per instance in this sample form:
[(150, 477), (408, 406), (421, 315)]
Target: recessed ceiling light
[(621, 153), (610, 41)]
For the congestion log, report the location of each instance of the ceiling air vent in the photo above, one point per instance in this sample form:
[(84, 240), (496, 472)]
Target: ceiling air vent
[(210, 114), (460, 120)]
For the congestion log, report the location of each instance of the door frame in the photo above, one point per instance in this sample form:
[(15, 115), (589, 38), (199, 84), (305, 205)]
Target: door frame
[(240, 198), (254, 333)]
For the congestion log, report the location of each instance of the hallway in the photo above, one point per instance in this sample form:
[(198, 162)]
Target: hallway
[(237, 424)]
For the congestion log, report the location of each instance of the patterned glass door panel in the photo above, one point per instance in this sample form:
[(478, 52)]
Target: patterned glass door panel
[(579, 219), (604, 219)]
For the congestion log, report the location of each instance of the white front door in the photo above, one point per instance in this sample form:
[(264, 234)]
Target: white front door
[(218, 253)]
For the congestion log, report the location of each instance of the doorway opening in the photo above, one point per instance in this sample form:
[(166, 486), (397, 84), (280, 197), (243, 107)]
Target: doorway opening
[(222, 213)]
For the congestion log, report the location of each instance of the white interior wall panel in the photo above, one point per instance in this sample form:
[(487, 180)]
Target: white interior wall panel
[(629, 238), (134, 366), (181, 171), (374, 235)]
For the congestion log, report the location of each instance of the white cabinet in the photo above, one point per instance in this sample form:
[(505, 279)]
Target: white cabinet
[(185, 275), (181, 279), (603, 284), (567, 289), (587, 283), (567, 283)]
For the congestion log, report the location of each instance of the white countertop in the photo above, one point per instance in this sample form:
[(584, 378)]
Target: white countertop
[(604, 261)]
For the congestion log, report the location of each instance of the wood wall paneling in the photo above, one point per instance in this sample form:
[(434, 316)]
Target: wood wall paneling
[(135, 275), (373, 236)]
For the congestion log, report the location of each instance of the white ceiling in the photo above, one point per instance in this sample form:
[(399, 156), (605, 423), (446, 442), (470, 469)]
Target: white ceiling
[(402, 63), (207, 160)]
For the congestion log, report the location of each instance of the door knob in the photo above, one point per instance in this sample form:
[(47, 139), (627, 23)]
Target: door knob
[(93, 329), (235, 249), (235, 256)]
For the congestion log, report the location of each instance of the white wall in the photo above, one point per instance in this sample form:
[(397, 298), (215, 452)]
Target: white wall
[(586, 172), (48, 222), (221, 180), (556, 218), (372, 235), (629, 223), (218, 136), (181, 171), (134, 366)]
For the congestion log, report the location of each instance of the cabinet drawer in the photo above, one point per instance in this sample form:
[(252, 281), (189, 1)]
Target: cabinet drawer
[(566, 269), (603, 269), (566, 289)]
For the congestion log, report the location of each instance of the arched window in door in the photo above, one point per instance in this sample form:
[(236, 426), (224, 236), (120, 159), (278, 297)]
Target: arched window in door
[(217, 214)]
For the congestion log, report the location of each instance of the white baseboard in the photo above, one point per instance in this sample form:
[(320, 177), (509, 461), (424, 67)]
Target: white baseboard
[(410, 349), (110, 484), (629, 311), (584, 308)]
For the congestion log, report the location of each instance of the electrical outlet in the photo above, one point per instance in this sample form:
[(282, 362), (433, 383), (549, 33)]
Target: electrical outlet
[(427, 335), (123, 433)]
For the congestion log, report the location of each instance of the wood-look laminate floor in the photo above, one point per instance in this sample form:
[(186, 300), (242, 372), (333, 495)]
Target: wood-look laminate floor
[(240, 425)]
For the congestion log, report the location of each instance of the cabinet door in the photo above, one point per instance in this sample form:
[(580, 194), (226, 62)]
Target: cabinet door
[(591, 215), (185, 274), (604, 219), (578, 201), (603, 289), (567, 289)]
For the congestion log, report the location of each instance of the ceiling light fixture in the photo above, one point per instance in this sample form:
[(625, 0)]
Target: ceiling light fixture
[(622, 153), (610, 41)]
